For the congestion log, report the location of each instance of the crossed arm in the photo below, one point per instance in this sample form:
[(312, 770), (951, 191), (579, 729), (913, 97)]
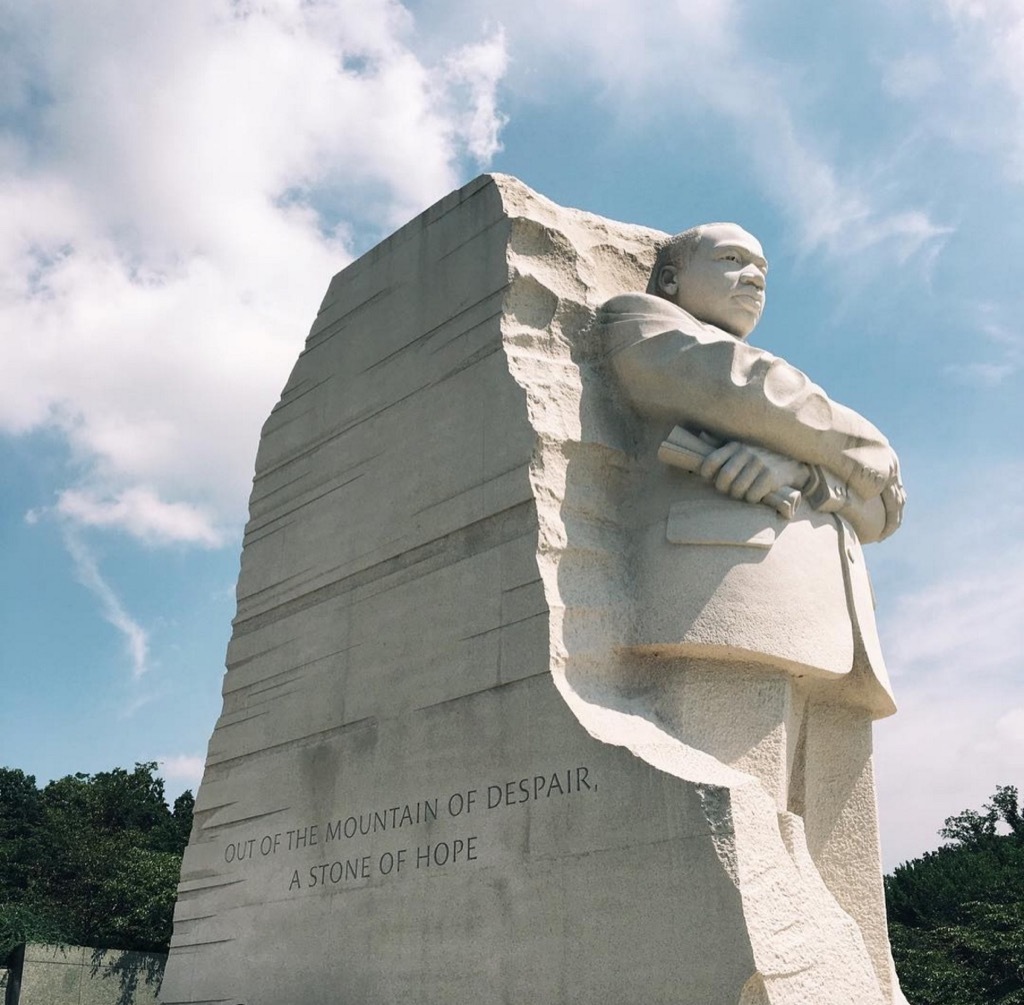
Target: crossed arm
[(778, 428), (751, 473)]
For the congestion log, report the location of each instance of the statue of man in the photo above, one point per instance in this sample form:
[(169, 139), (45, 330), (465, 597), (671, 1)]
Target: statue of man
[(753, 630)]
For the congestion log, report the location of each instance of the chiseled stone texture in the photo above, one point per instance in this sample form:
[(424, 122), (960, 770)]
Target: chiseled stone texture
[(429, 782)]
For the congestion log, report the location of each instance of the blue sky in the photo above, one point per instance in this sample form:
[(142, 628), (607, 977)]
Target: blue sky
[(178, 183)]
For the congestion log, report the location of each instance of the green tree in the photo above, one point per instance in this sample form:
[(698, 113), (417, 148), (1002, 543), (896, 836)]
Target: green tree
[(91, 859), (20, 923), (21, 818), (956, 915)]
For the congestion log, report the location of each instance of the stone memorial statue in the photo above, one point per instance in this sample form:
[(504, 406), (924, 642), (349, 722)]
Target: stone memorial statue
[(554, 668), (753, 605)]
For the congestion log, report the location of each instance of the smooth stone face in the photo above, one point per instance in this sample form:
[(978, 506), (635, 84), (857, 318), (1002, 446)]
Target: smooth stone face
[(722, 281), (453, 764), (480, 850)]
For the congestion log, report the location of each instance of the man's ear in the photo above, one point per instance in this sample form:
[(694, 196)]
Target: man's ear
[(668, 280)]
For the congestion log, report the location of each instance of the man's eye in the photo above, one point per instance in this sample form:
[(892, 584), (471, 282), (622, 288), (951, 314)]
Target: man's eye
[(731, 258)]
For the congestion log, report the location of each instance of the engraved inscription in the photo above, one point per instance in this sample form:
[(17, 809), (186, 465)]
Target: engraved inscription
[(356, 867)]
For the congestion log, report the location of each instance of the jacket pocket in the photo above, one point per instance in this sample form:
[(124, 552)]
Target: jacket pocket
[(723, 521)]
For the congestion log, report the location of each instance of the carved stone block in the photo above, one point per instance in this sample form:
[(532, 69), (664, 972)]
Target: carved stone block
[(448, 768)]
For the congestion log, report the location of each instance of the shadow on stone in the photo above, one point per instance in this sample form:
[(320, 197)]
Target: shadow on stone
[(129, 969)]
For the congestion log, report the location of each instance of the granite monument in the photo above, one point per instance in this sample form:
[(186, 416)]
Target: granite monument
[(554, 665)]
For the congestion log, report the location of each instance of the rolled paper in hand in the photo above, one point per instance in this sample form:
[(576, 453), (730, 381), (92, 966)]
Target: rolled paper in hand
[(684, 450)]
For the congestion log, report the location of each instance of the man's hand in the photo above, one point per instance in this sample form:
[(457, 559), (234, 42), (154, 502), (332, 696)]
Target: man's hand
[(893, 499), (751, 473), (866, 480)]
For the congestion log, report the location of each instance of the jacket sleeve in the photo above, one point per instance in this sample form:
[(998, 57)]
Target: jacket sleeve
[(709, 380)]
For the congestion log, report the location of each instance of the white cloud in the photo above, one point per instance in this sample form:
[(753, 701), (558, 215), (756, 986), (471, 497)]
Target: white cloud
[(473, 73), (987, 374), (955, 647), (183, 179), (177, 188), (186, 768), (180, 772), (136, 638), (944, 752), (969, 618), (140, 512)]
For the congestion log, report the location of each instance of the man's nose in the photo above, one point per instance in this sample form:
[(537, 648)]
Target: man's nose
[(752, 275)]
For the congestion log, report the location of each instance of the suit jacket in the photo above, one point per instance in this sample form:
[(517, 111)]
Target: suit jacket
[(721, 579)]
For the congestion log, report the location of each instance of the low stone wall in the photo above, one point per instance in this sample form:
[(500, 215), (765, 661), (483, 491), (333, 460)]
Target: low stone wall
[(76, 975)]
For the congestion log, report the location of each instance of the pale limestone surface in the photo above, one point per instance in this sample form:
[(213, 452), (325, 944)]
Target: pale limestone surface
[(453, 764)]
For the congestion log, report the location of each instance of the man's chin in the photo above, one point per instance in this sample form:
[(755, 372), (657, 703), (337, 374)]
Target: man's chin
[(738, 327), (745, 322)]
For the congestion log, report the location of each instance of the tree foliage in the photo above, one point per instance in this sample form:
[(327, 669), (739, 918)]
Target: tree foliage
[(90, 860), (956, 915)]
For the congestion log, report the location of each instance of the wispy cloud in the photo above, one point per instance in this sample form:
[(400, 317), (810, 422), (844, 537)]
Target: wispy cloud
[(912, 75), (968, 618), (135, 637), (831, 213), (965, 77), (697, 61), (1002, 343)]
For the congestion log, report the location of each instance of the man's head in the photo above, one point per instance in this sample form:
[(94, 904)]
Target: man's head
[(716, 272)]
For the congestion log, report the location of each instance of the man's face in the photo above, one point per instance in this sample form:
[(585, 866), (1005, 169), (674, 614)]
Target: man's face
[(724, 282)]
